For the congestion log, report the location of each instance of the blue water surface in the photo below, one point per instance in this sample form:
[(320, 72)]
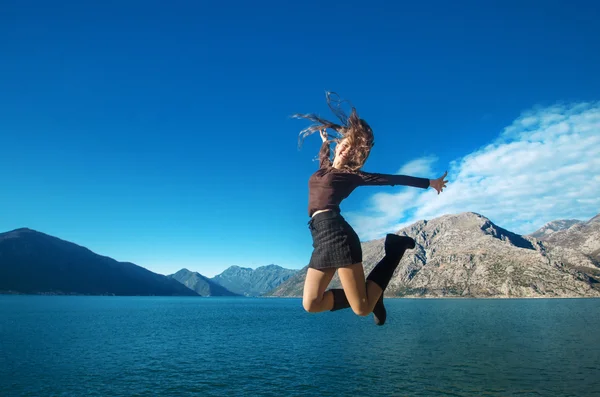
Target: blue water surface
[(175, 346)]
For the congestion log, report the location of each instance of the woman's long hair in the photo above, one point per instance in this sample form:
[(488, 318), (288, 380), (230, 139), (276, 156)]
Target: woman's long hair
[(354, 129)]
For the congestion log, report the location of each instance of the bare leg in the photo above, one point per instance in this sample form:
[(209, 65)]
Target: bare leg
[(361, 296), (315, 299)]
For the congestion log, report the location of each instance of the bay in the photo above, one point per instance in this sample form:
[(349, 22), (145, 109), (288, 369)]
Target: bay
[(189, 346)]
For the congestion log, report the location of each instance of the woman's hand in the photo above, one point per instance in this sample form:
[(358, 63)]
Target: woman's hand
[(439, 184), (323, 134)]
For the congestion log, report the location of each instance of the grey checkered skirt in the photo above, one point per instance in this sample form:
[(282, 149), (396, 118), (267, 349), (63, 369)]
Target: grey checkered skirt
[(335, 243)]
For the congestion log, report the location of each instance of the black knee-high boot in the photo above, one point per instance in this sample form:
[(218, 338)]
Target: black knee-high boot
[(339, 299), (395, 246)]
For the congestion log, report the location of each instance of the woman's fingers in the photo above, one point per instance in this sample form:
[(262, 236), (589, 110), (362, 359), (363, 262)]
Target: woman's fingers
[(439, 184), (323, 133)]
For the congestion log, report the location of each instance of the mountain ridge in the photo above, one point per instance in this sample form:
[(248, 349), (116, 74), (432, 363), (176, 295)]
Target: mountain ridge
[(456, 255), (467, 255), (202, 285), (552, 227), (253, 282), (37, 263)]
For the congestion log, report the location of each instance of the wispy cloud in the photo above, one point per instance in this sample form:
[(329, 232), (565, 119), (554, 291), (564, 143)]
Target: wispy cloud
[(420, 166), (544, 166)]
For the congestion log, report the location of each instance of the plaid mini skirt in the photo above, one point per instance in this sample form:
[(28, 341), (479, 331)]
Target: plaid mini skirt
[(335, 243)]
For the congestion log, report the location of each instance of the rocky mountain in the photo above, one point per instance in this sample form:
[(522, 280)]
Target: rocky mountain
[(203, 286), (248, 282), (580, 235), (466, 255), (36, 263), (582, 238), (551, 227)]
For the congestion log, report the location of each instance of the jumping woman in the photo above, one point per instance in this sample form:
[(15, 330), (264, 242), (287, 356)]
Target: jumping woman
[(336, 246)]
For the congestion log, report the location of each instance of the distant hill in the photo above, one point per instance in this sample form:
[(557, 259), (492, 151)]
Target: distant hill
[(552, 227), (200, 284), (468, 255), (575, 234), (582, 238), (36, 263), (248, 282)]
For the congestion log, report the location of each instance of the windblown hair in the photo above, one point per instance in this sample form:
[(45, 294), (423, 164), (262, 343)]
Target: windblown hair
[(354, 129)]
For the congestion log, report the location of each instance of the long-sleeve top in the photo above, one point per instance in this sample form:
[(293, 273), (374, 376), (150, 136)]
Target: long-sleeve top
[(328, 186)]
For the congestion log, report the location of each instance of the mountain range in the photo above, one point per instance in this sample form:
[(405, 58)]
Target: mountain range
[(579, 237), (467, 255), (203, 286), (459, 255), (235, 280), (551, 227), (253, 282), (33, 263)]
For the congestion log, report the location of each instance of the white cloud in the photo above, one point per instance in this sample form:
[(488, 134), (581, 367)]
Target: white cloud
[(420, 166), (545, 166)]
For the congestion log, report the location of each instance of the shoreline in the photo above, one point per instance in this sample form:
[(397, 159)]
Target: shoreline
[(14, 293)]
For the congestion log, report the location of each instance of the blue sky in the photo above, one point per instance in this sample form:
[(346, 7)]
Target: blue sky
[(160, 133)]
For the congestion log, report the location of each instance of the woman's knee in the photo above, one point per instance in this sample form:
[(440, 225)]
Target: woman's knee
[(311, 305), (361, 309)]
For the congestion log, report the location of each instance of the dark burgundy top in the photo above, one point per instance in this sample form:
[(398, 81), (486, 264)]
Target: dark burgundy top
[(329, 186)]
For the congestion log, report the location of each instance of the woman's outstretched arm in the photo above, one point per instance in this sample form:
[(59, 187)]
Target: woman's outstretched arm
[(376, 179), (369, 178)]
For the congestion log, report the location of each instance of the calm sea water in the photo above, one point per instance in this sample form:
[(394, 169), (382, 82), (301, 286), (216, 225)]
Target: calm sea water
[(147, 346)]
